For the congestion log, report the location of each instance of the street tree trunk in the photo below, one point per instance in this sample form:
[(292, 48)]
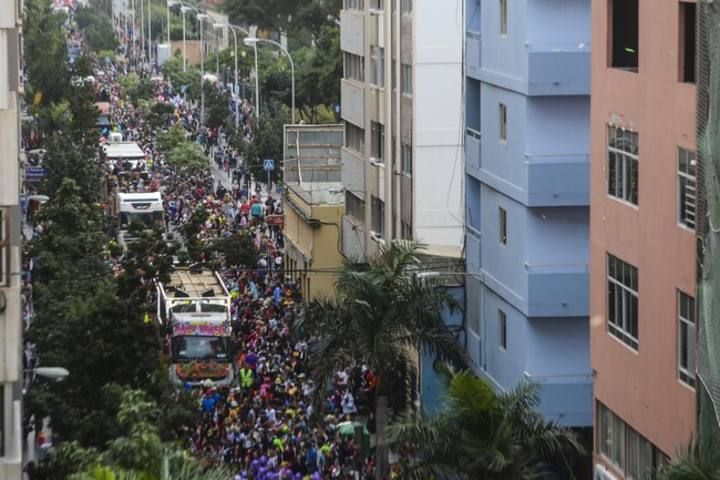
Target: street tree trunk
[(381, 452)]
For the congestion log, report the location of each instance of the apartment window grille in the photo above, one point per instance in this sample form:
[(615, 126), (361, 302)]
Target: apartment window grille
[(624, 34), (502, 225), (687, 187), (687, 42), (502, 121), (406, 79), (406, 6), (623, 297), (406, 159), (377, 4), (354, 4), (378, 216), (4, 249), (503, 17), (377, 140), (354, 137), (354, 67), (502, 330), (686, 338), (625, 448), (354, 206), (377, 54), (623, 170)]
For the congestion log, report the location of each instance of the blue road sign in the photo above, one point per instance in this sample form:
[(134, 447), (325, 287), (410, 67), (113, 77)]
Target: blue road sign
[(269, 165)]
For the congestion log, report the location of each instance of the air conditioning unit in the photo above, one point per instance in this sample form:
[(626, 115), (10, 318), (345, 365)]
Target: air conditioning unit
[(602, 473)]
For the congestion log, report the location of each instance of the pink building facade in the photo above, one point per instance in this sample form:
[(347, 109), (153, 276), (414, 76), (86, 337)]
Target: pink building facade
[(642, 231)]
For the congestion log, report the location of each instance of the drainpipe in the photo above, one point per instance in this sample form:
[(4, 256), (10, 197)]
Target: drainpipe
[(397, 165), (387, 236)]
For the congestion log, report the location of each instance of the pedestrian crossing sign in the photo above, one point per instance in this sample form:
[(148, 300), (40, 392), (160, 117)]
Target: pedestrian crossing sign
[(268, 165)]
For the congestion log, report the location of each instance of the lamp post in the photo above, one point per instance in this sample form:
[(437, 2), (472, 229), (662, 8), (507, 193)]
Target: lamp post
[(250, 41), (168, 4), (184, 9), (200, 17), (236, 90), (149, 37)]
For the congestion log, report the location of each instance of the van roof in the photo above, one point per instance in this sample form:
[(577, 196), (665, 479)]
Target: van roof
[(140, 197)]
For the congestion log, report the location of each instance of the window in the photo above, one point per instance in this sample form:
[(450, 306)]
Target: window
[(406, 79), (623, 301), (502, 225), (502, 121), (406, 6), (623, 31), (4, 249), (378, 216), (354, 206), (502, 330), (623, 156), (354, 67), (686, 338), (503, 17), (624, 447), (377, 141), (354, 137), (687, 187), (354, 4), (405, 230), (377, 54), (687, 42), (377, 4), (406, 161)]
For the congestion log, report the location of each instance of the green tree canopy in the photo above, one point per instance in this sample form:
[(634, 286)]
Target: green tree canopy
[(481, 435), (188, 157)]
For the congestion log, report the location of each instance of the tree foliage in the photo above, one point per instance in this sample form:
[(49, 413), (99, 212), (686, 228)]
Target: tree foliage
[(45, 52), (188, 157), (267, 143), (485, 436), (97, 28)]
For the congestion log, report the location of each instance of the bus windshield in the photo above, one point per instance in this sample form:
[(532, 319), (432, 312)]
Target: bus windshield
[(148, 219), (189, 348)]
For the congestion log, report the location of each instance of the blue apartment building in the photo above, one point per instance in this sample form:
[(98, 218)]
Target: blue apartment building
[(527, 116)]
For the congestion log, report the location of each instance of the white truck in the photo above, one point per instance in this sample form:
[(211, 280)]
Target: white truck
[(145, 208), (126, 156), (196, 305)]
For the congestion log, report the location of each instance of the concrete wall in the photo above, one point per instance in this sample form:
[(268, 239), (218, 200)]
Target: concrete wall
[(642, 386), (539, 175), (314, 232), (438, 113)]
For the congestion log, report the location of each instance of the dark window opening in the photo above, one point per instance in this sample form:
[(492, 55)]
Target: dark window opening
[(624, 28), (687, 42)]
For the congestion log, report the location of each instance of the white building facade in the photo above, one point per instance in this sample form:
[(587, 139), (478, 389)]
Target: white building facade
[(402, 105), (10, 307)]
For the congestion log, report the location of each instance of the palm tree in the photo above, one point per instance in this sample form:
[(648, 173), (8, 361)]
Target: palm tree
[(481, 435), (701, 461), (383, 314)]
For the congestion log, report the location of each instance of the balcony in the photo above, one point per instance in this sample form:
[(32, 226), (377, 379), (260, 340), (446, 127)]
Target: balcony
[(353, 172), (557, 180), (472, 54), (352, 102), (565, 399), (473, 253), (473, 162), (557, 290), (558, 69), (352, 31), (353, 238)]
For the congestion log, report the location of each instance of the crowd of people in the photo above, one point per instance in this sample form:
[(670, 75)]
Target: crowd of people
[(268, 425)]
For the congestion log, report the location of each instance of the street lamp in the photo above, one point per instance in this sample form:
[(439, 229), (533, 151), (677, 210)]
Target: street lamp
[(237, 91), (184, 9), (253, 41), (200, 17), (52, 373), (170, 3)]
